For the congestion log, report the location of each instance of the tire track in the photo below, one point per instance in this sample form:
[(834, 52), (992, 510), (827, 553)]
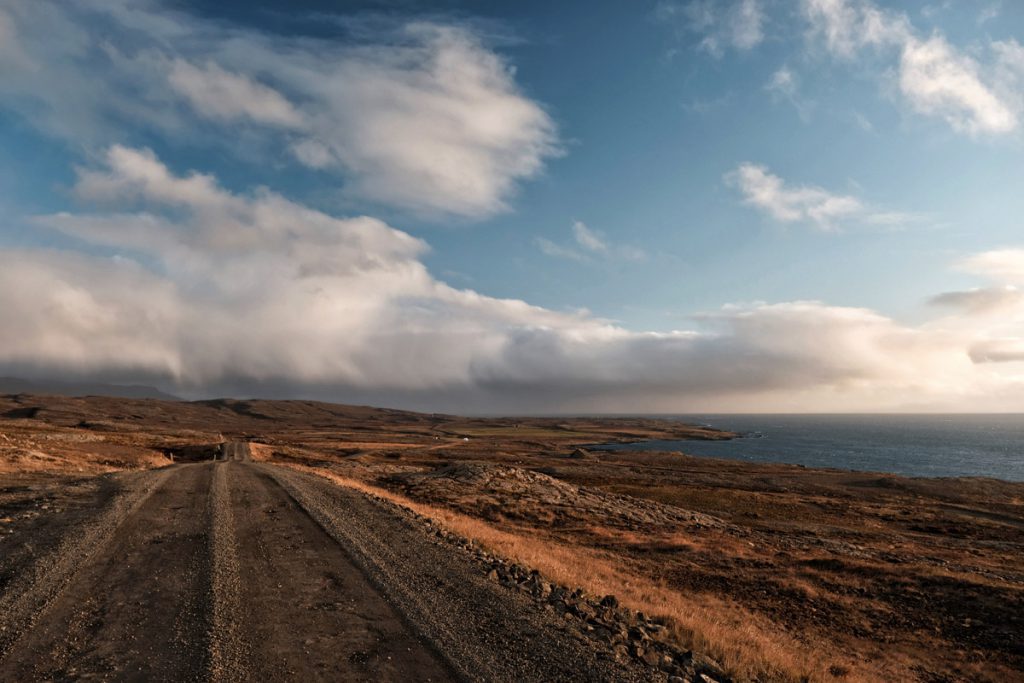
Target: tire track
[(485, 631), (139, 608), (227, 648), (310, 612), (37, 586)]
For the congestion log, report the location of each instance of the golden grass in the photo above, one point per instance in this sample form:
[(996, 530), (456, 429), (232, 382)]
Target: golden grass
[(525, 432), (260, 452), (749, 646), (71, 451), (378, 445)]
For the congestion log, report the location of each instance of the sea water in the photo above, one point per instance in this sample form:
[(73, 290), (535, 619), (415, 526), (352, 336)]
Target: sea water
[(911, 445)]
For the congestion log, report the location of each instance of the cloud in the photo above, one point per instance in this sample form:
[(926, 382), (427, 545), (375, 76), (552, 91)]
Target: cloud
[(789, 204), (423, 115), (69, 311), (1003, 265), (981, 300), (225, 96), (783, 82), (589, 244), (938, 80), (738, 25), (824, 210), (993, 315), (998, 351), (549, 248), (934, 77), (209, 291), (587, 238), (848, 26)]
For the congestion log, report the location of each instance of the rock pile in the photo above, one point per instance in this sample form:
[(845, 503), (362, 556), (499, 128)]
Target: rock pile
[(624, 632)]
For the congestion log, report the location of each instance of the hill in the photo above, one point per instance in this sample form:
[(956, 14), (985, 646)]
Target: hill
[(14, 385)]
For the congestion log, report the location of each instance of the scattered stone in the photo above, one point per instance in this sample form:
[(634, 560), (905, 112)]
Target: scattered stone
[(626, 634)]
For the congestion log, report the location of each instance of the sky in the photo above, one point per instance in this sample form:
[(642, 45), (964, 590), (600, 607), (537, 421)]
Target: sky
[(672, 206)]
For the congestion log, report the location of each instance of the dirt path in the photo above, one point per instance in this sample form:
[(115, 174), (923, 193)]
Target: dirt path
[(230, 570), (338, 627), (235, 450), (137, 610)]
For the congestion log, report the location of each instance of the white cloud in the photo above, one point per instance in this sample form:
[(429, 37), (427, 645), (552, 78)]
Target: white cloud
[(934, 77), (746, 24), (738, 24), (226, 96), (847, 26), (1002, 265), (587, 238), (788, 204), (589, 244), (549, 248), (938, 80), (313, 153), (423, 116), (783, 82), (68, 311)]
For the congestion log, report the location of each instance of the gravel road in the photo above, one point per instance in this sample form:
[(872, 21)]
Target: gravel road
[(232, 570)]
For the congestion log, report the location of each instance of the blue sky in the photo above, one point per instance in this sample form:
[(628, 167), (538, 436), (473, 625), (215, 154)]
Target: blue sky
[(672, 206)]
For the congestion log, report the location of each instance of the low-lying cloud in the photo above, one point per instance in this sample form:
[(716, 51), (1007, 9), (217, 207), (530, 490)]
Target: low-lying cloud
[(208, 291), (981, 300)]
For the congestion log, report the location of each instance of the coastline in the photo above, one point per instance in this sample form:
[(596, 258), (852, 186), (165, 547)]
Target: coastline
[(934, 446)]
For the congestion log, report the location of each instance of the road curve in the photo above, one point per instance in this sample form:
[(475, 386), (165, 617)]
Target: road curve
[(232, 570)]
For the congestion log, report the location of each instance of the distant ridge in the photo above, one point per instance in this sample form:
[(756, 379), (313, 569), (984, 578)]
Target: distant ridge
[(13, 385)]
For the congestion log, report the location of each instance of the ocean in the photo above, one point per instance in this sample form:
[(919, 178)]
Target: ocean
[(911, 445)]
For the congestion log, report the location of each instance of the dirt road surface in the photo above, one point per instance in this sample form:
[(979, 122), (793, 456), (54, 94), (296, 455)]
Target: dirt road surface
[(233, 570)]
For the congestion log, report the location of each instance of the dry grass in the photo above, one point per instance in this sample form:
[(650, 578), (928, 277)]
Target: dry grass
[(28, 448), (747, 645), (514, 432), (376, 445)]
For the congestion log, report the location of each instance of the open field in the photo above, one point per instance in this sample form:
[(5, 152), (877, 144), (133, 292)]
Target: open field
[(772, 572)]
